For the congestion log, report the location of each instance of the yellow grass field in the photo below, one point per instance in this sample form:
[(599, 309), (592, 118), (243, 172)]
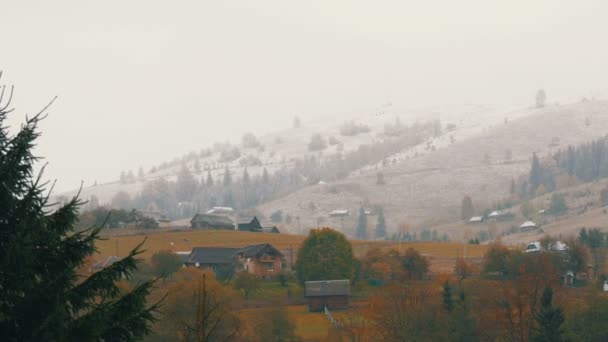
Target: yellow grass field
[(186, 240), (310, 326)]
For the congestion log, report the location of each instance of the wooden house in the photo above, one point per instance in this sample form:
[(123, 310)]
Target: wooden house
[(211, 221), (263, 260), (250, 225), (330, 294)]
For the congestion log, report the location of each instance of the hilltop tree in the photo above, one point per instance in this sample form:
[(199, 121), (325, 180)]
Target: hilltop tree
[(466, 208), (227, 177), (140, 174), (381, 225), (317, 143), (209, 181), (541, 98), (362, 225), (558, 205), (43, 296), (186, 185), (535, 174), (325, 254)]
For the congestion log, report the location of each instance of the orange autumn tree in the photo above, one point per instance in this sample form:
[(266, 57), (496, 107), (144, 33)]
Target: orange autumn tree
[(197, 308)]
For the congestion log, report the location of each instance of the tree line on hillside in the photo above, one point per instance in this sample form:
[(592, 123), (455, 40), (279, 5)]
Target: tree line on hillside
[(586, 163), (194, 190)]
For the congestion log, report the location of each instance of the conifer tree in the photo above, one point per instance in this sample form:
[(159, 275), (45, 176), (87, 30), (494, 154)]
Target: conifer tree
[(535, 174), (549, 320), (209, 181), (227, 177), (362, 225), (466, 210), (381, 225), (42, 298)]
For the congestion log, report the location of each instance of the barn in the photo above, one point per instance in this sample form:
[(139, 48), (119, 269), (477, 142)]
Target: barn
[(330, 294)]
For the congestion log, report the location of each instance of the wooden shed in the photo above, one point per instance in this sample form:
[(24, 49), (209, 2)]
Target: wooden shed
[(333, 294)]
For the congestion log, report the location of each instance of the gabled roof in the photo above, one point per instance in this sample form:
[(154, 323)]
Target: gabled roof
[(213, 220), (256, 250), (327, 288), (339, 212), (252, 224), (272, 229), (528, 224), (212, 255)]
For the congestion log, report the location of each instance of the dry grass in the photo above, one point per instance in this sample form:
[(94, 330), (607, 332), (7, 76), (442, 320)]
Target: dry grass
[(310, 326), (185, 240)]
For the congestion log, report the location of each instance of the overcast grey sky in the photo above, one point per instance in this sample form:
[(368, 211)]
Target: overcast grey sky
[(140, 82)]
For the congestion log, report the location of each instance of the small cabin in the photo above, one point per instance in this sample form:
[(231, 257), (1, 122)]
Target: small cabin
[(476, 219), (211, 221), (528, 226), (330, 294)]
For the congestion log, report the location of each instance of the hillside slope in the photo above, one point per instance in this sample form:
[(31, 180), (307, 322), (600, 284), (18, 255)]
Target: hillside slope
[(428, 182)]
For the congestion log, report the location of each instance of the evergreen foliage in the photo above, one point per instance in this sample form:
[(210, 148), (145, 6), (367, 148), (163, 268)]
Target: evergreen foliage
[(549, 320), (42, 296), (362, 225), (381, 225), (467, 211)]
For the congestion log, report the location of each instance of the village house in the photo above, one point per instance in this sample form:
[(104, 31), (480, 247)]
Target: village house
[(250, 225), (476, 219), (501, 215), (224, 222), (212, 221), (528, 226), (263, 260), (271, 230), (157, 216), (330, 294)]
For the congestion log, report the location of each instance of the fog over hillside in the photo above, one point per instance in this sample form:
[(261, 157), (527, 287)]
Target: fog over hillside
[(143, 82)]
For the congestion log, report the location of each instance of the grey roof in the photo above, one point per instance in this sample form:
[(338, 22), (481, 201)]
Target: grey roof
[(225, 255), (254, 250), (272, 229), (213, 220), (212, 255), (327, 288)]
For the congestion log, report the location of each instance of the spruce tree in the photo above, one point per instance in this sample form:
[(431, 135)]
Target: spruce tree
[(362, 225), (535, 174), (549, 320), (209, 181), (42, 296), (227, 177), (381, 225)]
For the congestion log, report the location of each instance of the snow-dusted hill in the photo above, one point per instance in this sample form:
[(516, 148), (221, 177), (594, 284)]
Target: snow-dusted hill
[(425, 184), (280, 148)]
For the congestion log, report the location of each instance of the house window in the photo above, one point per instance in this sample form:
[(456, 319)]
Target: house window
[(270, 267)]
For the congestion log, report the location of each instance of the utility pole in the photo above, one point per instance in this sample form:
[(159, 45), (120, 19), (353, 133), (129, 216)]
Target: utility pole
[(291, 257)]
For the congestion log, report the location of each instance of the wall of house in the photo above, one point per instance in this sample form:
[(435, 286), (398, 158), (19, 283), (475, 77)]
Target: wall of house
[(260, 267)]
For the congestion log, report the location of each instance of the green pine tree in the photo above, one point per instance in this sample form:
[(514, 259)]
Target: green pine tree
[(362, 225), (381, 225), (549, 320), (42, 298)]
